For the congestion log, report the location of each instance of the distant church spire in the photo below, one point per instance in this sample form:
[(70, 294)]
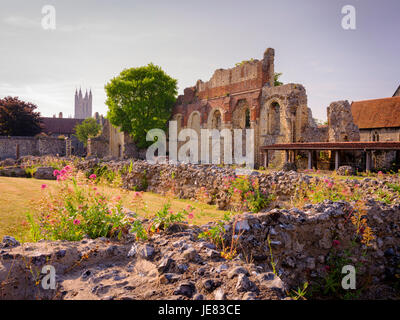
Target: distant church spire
[(83, 105)]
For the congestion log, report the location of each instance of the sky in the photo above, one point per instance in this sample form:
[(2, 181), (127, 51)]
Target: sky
[(95, 40)]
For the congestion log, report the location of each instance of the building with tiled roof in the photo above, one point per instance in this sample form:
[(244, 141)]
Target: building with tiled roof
[(378, 119), (60, 126), (397, 92)]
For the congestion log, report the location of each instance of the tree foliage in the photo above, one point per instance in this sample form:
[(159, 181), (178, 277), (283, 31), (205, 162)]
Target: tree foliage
[(18, 118), (89, 128), (277, 75), (141, 99)]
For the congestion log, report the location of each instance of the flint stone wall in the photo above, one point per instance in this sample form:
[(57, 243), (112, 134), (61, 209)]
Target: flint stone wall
[(31, 146), (187, 180), (302, 240), (341, 123)]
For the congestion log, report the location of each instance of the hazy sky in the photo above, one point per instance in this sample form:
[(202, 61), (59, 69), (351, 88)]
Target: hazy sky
[(95, 40)]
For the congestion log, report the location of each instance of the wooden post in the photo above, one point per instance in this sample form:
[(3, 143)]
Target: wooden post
[(368, 161), (265, 158), (286, 156), (17, 151), (309, 160), (336, 159)]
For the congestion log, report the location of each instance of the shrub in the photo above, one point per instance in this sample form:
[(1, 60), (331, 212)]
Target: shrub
[(246, 194), (165, 217), (75, 209)]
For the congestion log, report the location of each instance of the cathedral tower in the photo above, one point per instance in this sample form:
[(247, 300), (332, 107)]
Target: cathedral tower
[(83, 105)]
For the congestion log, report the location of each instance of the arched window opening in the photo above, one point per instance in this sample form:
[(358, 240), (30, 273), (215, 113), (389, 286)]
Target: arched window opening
[(247, 117), (274, 121), (216, 120)]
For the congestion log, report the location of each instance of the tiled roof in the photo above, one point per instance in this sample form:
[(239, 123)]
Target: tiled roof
[(378, 113), (60, 125), (397, 92)]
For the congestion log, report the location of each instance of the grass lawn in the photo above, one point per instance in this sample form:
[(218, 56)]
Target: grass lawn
[(17, 195)]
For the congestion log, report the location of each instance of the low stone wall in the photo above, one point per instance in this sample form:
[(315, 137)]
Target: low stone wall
[(176, 264), (30, 146), (302, 240), (188, 181)]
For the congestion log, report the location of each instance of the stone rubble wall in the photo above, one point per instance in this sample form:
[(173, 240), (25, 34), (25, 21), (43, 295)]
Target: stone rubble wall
[(31, 146), (176, 264), (341, 123), (302, 240)]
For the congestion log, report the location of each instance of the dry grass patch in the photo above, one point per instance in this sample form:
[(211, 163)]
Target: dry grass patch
[(18, 194)]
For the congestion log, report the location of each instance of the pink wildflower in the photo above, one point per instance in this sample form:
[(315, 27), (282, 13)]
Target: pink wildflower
[(77, 222), (190, 216), (92, 177), (56, 173), (44, 186), (336, 243)]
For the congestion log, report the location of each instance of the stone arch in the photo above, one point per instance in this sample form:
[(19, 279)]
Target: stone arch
[(270, 117), (194, 121), (241, 115), (274, 118), (215, 119)]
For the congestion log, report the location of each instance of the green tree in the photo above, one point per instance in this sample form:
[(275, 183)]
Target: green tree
[(18, 118), (141, 99), (277, 75), (89, 128)]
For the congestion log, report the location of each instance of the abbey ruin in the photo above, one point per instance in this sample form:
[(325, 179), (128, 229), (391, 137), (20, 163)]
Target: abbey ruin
[(246, 97)]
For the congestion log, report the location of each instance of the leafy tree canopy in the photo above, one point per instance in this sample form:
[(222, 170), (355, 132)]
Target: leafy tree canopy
[(89, 128), (18, 118), (141, 99), (277, 75)]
